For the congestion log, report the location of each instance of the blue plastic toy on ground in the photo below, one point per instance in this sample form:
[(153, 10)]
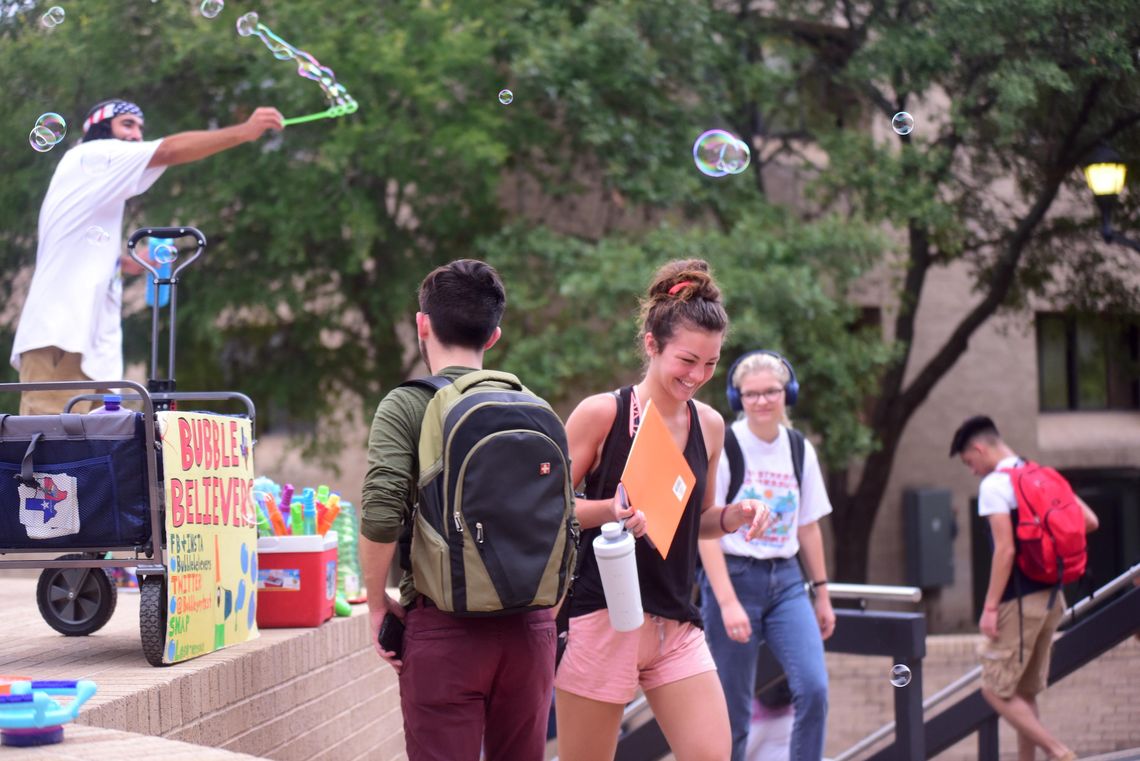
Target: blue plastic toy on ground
[(29, 716)]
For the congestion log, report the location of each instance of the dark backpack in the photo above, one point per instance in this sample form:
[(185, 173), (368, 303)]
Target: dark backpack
[(736, 460), (493, 530), (1050, 529)]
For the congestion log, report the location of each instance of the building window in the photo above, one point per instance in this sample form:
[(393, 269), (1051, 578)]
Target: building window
[(1088, 362)]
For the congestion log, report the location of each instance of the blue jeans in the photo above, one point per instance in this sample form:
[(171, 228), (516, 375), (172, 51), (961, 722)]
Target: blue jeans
[(772, 594)]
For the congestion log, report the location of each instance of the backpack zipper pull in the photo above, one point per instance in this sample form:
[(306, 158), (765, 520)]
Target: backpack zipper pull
[(458, 525), (479, 532)]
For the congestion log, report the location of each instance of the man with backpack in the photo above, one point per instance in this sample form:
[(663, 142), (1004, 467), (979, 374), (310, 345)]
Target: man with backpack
[(1038, 527), (470, 472)]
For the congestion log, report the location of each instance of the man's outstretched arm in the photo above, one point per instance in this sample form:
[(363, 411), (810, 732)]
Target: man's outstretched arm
[(186, 147)]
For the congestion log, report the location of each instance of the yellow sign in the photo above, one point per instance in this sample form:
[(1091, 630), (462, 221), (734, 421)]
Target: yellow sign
[(211, 533)]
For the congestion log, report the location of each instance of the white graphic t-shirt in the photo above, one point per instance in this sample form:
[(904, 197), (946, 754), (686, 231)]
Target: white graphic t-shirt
[(75, 299), (769, 476)]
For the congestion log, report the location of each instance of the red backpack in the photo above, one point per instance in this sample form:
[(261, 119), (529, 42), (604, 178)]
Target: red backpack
[(1050, 525)]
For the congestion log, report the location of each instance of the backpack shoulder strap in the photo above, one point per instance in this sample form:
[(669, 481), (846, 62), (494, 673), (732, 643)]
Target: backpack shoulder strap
[(735, 456), (796, 439), (464, 382), (432, 382)]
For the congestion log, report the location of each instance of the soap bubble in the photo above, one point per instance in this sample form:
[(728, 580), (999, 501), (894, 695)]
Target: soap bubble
[(247, 24), (96, 236), (717, 153), (211, 8), (41, 139), (902, 123), (164, 253), (280, 49), (96, 160), (53, 17), (55, 124), (309, 70), (900, 675), (506, 97)]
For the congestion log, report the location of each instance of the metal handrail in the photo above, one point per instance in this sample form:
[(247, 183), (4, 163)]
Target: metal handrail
[(1082, 607), (877, 592)]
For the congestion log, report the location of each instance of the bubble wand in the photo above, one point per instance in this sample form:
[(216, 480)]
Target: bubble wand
[(307, 66)]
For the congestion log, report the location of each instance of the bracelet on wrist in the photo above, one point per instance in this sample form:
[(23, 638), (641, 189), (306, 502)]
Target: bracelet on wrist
[(723, 512), (820, 583)]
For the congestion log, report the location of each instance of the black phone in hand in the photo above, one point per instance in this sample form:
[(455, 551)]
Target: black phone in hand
[(391, 635)]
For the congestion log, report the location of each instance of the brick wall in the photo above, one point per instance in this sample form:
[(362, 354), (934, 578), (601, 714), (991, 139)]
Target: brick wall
[(1095, 710), (321, 695)]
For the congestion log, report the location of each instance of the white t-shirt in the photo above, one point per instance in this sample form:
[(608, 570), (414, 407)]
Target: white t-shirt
[(75, 299), (995, 492), (769, 476)]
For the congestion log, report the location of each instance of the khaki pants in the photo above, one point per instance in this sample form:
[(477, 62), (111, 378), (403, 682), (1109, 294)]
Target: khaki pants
[(51, 364)]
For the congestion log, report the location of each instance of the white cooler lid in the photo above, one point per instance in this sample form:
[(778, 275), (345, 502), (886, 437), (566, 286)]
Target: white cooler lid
[(304, 543)]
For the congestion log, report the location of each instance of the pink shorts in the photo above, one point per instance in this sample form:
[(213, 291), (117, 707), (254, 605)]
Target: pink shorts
[(607, 665)]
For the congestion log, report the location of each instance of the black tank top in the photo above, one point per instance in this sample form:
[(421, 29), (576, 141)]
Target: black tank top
[(666, 584)]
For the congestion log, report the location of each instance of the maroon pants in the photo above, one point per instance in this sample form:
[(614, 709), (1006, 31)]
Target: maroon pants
[(469, 683)]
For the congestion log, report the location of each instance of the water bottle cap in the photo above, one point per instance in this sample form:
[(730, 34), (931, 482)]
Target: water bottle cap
[(612, 531), (112, 399)]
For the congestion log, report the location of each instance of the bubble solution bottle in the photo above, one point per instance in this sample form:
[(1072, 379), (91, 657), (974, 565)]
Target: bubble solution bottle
[(617, 565)]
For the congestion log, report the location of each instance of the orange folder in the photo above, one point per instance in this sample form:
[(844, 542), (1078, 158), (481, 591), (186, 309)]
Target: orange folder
[(657, 478)]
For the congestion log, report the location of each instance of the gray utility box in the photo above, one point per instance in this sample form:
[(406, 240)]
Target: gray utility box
[(928, 530)]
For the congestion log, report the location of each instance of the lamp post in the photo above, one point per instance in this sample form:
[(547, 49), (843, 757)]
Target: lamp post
[(1105, 173)]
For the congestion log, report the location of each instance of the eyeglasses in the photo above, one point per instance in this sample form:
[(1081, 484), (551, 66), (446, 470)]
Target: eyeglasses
[(772, 395)]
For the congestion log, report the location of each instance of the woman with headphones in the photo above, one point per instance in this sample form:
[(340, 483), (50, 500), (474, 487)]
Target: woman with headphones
[(753, 591)]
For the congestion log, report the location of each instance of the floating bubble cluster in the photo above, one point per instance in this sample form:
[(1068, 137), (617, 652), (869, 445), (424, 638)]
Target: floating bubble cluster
[(211, 8), (340, 102), (52, 17), (902, 123), (717, 153), (48, 131), (506, 97)]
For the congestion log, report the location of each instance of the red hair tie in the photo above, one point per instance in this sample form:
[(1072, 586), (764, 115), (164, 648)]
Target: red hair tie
[(673, 291)]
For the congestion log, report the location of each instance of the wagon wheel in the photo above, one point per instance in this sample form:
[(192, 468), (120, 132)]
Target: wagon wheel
[(76, 601), (152, 617)]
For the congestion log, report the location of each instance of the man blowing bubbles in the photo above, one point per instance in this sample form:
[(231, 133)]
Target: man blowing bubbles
[(71, 324)]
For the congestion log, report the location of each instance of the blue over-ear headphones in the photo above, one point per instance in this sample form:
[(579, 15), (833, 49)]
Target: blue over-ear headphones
[(791, 390)]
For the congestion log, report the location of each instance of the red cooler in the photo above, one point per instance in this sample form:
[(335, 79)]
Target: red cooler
[(296, 580)]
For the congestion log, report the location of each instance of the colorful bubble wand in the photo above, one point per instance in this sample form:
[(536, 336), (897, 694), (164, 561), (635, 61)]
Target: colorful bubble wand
[(307, 66)]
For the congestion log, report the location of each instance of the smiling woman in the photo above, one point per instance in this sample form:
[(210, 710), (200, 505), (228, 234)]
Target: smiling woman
[(683, 325)]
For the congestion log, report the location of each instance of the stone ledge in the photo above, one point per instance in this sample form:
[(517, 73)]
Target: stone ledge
[(301, 694)]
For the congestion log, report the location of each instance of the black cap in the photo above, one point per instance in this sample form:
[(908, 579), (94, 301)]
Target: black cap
[(968, 430)]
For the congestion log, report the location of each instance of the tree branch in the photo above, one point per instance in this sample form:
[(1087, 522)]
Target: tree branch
[(1000, 285)]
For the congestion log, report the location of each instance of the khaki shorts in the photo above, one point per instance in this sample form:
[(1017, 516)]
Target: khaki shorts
[(51, 364), (1006, 668)]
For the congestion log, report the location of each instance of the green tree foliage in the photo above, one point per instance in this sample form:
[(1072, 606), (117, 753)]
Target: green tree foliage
[(584, 184)]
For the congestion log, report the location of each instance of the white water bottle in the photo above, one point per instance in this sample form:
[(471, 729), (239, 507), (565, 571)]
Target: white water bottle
[(617, 565)]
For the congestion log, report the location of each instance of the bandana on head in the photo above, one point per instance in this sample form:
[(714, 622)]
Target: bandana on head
[(98, 122)]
